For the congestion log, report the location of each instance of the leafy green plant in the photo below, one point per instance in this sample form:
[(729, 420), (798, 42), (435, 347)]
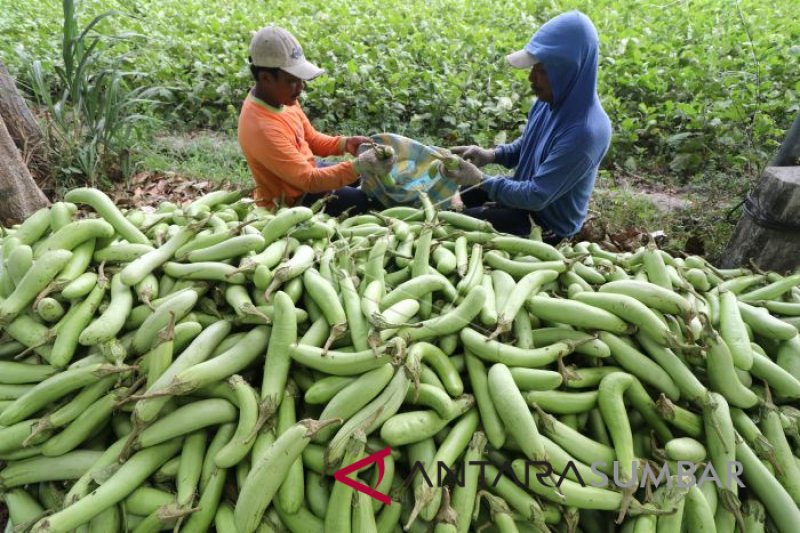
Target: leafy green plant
[(91, 110), (692, 87)]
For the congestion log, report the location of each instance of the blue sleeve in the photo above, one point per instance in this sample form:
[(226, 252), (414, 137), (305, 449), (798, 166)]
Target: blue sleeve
[(562, 169), (508, 154)]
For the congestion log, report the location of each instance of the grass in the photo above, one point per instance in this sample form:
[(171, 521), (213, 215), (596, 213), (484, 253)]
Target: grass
[(698, 220), (200, 154)]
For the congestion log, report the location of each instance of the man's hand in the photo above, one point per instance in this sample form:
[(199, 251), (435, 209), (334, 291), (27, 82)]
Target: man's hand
[(475, 154), (351, 144), (456, 202), (465, 174), (370, 164)]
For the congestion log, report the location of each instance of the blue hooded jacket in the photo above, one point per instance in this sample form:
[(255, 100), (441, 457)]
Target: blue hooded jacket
[(558, 155)]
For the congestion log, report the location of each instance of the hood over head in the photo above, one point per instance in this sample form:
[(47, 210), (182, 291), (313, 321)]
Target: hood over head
[(567, 46)]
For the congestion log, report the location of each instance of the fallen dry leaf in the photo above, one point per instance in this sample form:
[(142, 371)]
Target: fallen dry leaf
[(146, 190)]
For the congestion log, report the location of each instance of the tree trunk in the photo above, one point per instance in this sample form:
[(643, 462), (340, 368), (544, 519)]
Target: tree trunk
[(21, 149), (19, 193), (22, 126), (768, 233)]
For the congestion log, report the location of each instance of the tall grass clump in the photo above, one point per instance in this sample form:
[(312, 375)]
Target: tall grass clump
[(91, 106)]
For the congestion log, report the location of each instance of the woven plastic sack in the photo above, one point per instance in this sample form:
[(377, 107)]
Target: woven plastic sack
[(415, 170)]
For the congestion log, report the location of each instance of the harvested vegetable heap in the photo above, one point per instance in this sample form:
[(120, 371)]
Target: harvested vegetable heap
[(212, 365)]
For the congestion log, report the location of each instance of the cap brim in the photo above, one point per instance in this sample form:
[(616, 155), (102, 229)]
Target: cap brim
[(521, 59), (305, 70)]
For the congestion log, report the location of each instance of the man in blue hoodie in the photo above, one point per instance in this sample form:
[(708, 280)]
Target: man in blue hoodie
[(556, 159)]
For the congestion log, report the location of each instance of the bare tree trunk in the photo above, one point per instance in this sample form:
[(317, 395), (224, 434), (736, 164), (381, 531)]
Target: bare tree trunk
[(19, 194), (21, 149), (22, 126)]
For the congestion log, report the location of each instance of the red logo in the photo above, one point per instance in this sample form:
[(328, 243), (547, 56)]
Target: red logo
[(377, 457)]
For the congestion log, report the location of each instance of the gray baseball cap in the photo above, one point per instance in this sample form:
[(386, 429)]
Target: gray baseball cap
[(274, 47)]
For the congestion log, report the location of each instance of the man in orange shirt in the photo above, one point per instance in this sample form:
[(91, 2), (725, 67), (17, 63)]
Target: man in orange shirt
[(280, 144)]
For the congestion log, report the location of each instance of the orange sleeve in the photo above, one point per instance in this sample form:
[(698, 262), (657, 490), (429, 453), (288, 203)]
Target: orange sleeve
[(320, 144), (281, 157)]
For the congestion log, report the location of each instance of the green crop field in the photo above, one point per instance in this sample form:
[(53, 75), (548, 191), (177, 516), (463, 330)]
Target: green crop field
[(699, 92)]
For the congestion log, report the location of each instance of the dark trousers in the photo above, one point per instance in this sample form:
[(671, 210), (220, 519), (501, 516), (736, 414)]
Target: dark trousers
[(348, 197), (504, 219)]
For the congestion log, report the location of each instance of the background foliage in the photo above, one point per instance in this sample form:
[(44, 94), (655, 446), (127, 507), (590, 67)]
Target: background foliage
[(695, 89)]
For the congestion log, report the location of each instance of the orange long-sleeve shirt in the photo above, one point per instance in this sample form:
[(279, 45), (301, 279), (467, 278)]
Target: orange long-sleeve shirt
[(280, 145)]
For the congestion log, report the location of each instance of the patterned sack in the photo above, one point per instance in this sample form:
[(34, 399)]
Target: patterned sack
[(415, 170)]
